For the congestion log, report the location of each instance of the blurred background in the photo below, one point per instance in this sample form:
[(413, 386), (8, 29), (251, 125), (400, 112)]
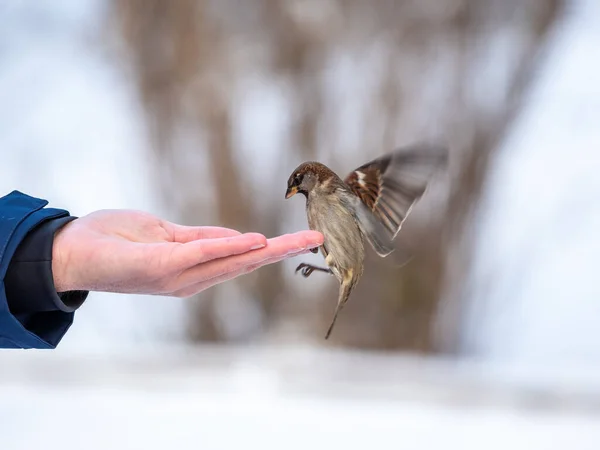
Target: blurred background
[(198, 111)]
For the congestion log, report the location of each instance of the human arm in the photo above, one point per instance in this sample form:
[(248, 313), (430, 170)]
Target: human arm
[(119, 251)]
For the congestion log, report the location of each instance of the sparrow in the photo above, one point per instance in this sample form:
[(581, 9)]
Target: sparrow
[(371, 203)]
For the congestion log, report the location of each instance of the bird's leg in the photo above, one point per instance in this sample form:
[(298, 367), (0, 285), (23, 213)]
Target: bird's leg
[(307, 269)]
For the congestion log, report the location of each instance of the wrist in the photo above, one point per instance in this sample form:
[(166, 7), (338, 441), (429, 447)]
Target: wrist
[(30, 281), (63, 276)]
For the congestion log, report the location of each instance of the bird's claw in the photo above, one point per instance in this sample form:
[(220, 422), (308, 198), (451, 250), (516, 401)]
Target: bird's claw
[(305, 269)]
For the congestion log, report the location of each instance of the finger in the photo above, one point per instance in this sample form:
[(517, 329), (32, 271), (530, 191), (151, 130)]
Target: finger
[(183, 233), (192, 253), (203, 285), (310, 237), (281, 246)]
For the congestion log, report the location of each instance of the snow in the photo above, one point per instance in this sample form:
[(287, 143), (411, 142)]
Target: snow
[(283, 397), (155, 421)]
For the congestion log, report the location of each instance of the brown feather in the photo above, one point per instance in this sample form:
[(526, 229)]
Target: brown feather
[(391, 184)]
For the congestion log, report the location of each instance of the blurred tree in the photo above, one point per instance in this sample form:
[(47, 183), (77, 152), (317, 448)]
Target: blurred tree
[(353, 79)]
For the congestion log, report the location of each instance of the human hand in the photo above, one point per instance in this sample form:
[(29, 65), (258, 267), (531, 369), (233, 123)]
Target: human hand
[(127, 251)]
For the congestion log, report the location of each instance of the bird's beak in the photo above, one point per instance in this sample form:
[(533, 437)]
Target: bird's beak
[(291, 191)]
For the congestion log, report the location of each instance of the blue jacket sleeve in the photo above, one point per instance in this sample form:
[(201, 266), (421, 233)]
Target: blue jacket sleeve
[(32, 313)]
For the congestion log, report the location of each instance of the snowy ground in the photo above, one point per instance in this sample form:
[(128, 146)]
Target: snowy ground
[(293, 398)]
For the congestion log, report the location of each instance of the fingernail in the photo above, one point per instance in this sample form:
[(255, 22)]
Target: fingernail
[(257, 246)]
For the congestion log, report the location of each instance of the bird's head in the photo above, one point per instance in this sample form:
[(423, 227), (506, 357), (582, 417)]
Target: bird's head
[(307, 177)]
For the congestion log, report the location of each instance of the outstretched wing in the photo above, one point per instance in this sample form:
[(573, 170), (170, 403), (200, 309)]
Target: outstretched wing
[(389, 187)]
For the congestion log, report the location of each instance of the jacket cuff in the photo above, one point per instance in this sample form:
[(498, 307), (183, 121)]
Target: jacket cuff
[(29, 282)]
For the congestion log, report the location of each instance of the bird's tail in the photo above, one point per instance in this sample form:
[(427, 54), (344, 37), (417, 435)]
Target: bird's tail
[(345, 289)]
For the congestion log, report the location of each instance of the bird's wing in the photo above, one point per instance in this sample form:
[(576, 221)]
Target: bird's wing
[(377, 235), (389, 187)]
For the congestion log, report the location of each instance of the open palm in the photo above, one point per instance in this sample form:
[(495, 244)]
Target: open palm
[(129, 251)]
